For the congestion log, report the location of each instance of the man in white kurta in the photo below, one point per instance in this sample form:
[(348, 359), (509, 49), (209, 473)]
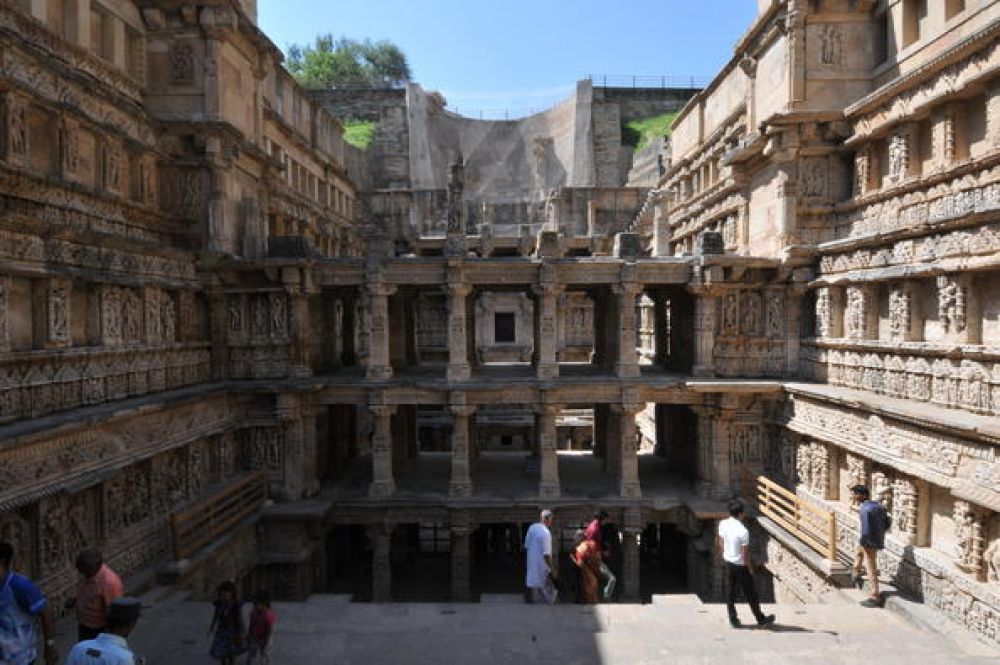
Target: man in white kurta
[(541, 575)]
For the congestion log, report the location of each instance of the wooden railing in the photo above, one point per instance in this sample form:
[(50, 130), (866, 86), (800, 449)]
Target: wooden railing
[(811, 524), (200, 524)]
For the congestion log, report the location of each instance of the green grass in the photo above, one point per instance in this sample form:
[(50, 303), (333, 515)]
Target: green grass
[(359, 133), (640, 133)]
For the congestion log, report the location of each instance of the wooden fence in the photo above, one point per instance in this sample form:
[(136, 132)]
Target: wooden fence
[(811, 524), (200, 524)]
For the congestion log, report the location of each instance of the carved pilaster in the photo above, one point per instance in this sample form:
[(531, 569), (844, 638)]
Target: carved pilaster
[(458, 351), (901, 149), (383, 483), (628, 462), (904, 325), (958, 309), (630, 555), (461, 558), (152, 315), (861, 316), (53, 318), (970, 542), (381, 538), (546, 338), (378, 365), (545, 425), (865, 170), (829, 311), (15, 136), (460, 485), (706, 307), (5, 286), (905, 502), (627, 363)]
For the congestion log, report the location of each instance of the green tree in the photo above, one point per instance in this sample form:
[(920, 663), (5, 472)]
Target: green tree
[(331, 62)]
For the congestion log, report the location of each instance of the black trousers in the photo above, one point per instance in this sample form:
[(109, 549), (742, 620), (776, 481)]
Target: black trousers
[(740, 578)]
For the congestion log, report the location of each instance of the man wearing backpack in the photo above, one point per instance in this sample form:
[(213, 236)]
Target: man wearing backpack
[(874, 522)]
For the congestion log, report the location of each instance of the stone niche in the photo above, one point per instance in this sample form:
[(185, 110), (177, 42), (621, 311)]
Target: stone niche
[(504, 328)]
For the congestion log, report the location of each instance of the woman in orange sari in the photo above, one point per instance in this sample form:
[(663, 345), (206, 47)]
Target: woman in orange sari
[(588, 559)]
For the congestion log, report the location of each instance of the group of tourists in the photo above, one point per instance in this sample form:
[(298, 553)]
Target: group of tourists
[(591, 552), (106, 618)]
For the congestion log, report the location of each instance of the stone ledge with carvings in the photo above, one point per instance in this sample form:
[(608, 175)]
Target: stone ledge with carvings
[(60, 53), (957, 250), (37, 383), (919, 206), (943, 375)]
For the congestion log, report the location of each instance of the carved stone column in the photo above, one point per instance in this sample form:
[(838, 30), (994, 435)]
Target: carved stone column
[(630, 556), (958, 309), (708, 486), (52, 320), (5, 286), (16, 135), (460, 485), (381, 537), (706, 307), (546, 339), (627, 361), (628, 462), (378, 364), (458, 351), (661, 325), (152, 317), (829, 311), (545, 425), (461, 559), (383, 483), (904, 322), (294, 458), (861, 315), (993, 112), (297, 288)]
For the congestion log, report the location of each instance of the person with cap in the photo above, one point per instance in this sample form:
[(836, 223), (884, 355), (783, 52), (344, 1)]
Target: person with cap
[(22, 608), (541, 575), (874, 521), (99, 586), (111, 647)]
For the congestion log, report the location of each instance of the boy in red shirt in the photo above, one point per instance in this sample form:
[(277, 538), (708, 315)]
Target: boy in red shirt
[(262, 620)]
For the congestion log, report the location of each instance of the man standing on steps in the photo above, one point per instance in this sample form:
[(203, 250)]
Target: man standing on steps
[(734, 546), (874, 522), (541, 576)]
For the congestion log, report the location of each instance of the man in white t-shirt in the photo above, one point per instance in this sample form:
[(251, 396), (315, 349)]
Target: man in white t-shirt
[(734, 546), (541, 576)]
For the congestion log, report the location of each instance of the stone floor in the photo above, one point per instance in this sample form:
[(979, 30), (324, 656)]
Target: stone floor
[(674, 629)]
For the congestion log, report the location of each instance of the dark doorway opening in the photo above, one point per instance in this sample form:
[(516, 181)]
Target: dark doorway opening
[(498, 559), (349, 562), (663, 561)]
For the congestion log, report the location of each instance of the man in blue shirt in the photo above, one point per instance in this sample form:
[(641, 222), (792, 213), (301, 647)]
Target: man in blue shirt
[(110, 647), (22, 608), (874, 522)]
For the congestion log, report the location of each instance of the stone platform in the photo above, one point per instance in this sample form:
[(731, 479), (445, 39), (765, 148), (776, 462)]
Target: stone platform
[(674, 629)]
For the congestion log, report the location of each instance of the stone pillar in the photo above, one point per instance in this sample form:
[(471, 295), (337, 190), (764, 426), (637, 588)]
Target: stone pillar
[(545, 431), (461, 559), (627, 362), (546, 338), (706, 307), (707, 486), (378, 364), (381, 536), (661, 325), (219, 320), (861, 315), (52, 320), (829, 311), (299, 448), (792, 320), (630, 563), (628, 464), (993, 112), (296, 286), (458, 351), (5, 287), (383, 483), (460, 485)]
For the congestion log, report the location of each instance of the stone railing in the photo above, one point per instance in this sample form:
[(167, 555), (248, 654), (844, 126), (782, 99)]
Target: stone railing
[(954, 381), (36, 383)]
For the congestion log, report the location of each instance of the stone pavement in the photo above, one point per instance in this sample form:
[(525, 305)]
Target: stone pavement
[(674, 629)]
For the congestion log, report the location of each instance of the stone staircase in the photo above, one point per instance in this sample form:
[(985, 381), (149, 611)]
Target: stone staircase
[(672, 629)]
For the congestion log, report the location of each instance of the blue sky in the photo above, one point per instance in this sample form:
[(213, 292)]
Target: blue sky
[(522, 55)]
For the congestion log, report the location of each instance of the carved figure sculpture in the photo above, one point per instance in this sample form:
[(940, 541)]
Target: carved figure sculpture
[(831, 45), (899, 157), (17, 130), (952, 297), (968, 538)]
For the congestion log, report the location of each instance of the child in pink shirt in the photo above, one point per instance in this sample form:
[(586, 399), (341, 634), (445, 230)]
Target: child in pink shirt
[(262, 620)]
